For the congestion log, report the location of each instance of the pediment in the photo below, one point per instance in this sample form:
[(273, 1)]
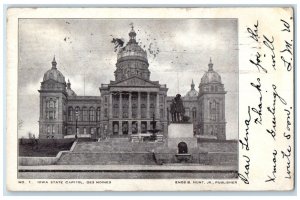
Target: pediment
[(136, 82)]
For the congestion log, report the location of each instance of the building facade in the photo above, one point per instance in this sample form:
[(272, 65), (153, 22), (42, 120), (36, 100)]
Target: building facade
[(128, 104)]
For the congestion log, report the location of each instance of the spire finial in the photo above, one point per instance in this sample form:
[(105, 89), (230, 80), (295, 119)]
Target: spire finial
[(131, 25), (132, 33), (210, 65), (69, 84), (193, 85), (54, 63)]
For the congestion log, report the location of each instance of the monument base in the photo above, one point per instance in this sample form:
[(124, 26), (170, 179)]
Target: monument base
[(180, 132)]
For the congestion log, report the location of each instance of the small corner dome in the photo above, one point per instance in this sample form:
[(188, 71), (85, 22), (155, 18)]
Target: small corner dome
[(70, 92), (211, 76), (54, 74), (192, 92)]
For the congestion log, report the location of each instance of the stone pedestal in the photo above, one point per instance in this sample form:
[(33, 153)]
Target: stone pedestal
[(179, 132)]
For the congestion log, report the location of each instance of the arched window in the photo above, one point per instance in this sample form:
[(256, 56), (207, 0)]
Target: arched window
[(77, 113), (70, 114), (84, 114), (92, 114), (98, 114), (84, 130)]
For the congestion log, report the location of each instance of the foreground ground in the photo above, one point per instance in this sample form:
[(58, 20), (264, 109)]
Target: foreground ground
[(127, 172)]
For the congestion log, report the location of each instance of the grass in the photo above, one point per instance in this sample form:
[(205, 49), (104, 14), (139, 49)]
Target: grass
[(43, 149)]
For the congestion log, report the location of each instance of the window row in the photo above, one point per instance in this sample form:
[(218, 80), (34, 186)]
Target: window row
[(84, 114), (83, 130), (51, 114), (51, 103)]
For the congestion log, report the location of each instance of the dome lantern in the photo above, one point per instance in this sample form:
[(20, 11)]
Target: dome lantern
[(210, 65), (54, 63), (132, 34)]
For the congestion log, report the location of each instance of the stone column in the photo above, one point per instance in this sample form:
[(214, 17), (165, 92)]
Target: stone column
[(129, 106), (157, 106), (148, 125), (139, 106), (110, 106), (139, 126), (120, 106), (165, 107), (129, 127), (120, 128), (148, 105)]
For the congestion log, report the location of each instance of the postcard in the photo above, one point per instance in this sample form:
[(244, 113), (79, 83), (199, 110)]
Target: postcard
[(150, 99)]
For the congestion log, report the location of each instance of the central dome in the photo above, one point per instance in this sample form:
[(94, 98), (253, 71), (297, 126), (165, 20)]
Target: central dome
[(132, 60), (132, 50)]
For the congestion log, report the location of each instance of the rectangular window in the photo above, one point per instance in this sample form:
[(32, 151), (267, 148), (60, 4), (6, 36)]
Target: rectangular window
[(51, 115), (105, 112)]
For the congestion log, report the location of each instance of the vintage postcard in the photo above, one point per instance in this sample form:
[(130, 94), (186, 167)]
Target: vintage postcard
[(150, 99)]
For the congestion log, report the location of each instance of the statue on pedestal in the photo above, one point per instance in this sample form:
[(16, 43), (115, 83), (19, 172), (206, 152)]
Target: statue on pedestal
[(177, 109)]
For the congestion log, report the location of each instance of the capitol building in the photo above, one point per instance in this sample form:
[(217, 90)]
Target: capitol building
[(128, 104)]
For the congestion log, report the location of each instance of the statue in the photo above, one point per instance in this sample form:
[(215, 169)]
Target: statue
[(177, 109)]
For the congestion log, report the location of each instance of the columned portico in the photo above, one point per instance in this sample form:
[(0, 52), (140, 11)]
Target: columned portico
[(133, 99)]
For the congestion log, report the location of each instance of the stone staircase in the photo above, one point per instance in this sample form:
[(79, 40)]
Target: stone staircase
[(111, 151)]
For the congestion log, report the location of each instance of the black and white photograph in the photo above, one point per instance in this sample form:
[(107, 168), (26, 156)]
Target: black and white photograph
[(128, 98)]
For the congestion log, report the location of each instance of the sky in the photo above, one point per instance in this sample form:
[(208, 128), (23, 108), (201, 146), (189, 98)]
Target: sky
[(83, 48)]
